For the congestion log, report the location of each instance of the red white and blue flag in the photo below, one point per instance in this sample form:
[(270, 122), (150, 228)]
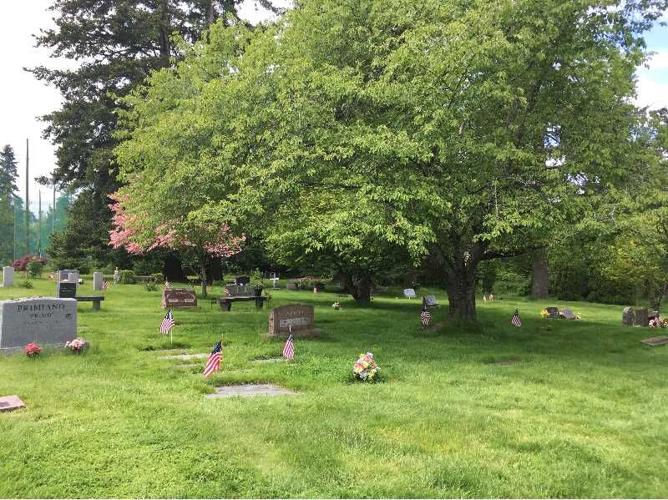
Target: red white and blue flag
[(516, 321), (425, 315), (289, 349), (167, 323), (213, 363), (105, 285)]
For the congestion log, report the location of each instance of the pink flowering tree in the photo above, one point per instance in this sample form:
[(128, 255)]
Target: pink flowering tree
[(202, 239)]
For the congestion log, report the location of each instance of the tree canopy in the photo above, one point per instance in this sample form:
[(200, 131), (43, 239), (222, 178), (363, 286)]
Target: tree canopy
[(451, 131)]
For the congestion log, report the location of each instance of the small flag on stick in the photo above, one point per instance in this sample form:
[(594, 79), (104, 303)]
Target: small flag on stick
[(425, 315), (213, 363), (516, 321), (167, 323), (105, 285), (289, 349)]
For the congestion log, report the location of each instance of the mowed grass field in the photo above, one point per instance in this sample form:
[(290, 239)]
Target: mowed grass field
[(581, 410)]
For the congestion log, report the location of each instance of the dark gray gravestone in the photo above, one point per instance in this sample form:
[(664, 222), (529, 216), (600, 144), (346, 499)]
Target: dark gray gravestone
[(241, 280), (42, 320), (641, 317), (292, 319), (553, 312), (628, 318), (66, 290)]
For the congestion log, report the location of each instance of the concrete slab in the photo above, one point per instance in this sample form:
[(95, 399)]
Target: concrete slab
[(655, 341), (9, 403), (250, 390)]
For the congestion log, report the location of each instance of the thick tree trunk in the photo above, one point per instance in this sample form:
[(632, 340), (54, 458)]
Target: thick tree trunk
[(461, 290), (359, 286), (540, 277)]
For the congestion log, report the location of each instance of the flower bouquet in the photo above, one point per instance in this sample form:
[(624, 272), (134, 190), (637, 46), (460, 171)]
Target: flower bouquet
[(365, 368), (77, 345), (544, 314), (32, 350), (658, 322)]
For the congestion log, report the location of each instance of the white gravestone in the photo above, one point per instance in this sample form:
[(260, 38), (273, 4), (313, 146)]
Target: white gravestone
[(42, 320), (98, 281), (71, 275), (7, 276)]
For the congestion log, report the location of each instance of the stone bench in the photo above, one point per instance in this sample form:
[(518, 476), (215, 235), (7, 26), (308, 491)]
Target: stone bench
[(225, 303), (95, 300)]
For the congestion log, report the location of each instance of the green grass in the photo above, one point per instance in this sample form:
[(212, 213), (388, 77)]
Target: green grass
[(582, 413)]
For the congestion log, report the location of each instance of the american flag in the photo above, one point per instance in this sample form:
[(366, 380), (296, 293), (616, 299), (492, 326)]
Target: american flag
[(167, 285), (167, 323), (105, 285), (213, 363), (425, 315), (289, 349), (516, 321)]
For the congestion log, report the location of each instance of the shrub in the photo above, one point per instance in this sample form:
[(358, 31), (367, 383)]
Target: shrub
[(128, 277), (150, 286), (35, 268), (22, 263)]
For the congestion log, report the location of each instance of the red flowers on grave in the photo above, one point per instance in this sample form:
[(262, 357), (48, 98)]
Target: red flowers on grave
[(32, 350)]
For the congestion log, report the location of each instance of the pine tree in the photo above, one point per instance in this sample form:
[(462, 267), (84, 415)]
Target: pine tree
[(8, 175)]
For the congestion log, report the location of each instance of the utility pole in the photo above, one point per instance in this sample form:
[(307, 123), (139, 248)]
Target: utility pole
[(39, 225), (27, 200), (53, 208)]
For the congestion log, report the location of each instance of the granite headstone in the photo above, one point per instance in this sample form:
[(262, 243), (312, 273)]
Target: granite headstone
[(178, 297), (66, 290), (641, 317), (292, 319), (42, 320), (7, 276), (628, 317), (98, 281)]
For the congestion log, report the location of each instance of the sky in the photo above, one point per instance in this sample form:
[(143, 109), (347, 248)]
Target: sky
[(23, 98)]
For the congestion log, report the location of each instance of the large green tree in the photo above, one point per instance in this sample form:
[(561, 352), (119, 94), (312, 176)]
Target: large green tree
[(458, 131)]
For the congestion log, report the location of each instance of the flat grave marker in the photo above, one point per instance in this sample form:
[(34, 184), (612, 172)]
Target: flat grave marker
[(250, 390), (9, 403), (47, 321), (655, 341), (567, 314), (292, 319)]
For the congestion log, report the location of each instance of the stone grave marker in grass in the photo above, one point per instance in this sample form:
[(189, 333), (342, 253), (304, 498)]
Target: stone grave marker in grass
[(185, 357), (7, 276), (250, 390), (292, 319), (178, 297), (47, 321), (655, 341), (628, 317), (409, 293), (553, 312), (9, 403)]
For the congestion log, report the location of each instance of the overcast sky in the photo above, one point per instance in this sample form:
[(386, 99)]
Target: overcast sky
[(23, 98)]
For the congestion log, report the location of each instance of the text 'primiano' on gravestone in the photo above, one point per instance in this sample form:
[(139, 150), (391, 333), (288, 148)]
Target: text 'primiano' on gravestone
[(292, 319), (47, 321)]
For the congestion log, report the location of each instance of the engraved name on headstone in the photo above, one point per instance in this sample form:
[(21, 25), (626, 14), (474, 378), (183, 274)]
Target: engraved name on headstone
[(295, 319), (66, 290), (42, 320)]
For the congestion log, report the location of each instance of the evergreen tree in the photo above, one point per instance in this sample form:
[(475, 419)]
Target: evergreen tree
[(8, 188)]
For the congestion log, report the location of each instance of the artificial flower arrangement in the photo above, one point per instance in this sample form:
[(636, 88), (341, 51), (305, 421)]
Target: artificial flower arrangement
[(658, 322), (77, 345), (336, 305), (32, 350), (365, 368), (544, 314)]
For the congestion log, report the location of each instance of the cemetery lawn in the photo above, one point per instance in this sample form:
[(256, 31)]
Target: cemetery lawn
[(553, 409)]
